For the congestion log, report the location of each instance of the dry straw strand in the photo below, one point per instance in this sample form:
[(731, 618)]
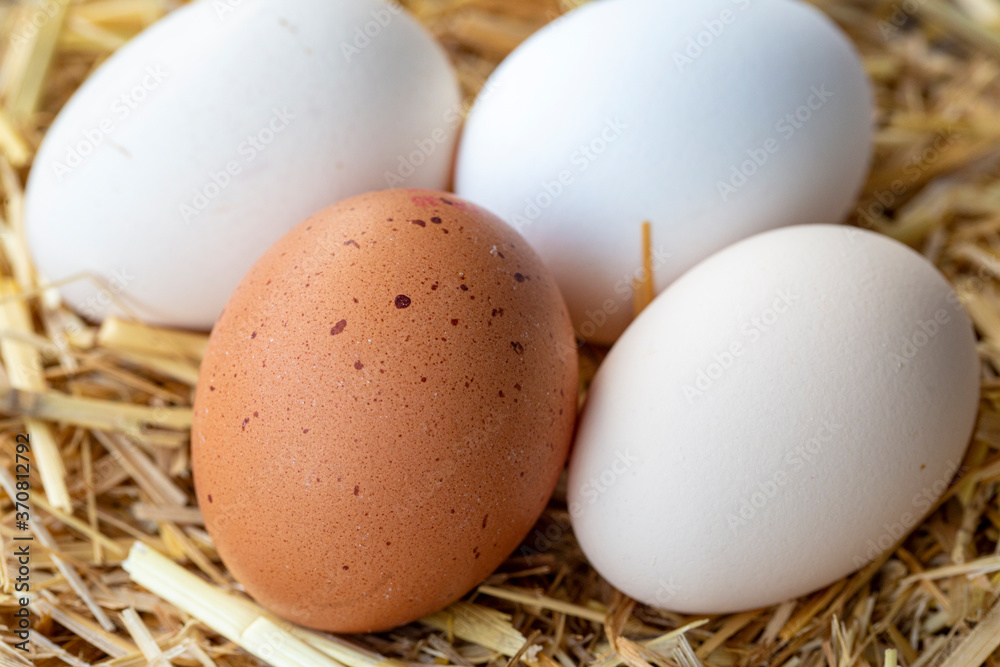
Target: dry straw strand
[(125, 574)]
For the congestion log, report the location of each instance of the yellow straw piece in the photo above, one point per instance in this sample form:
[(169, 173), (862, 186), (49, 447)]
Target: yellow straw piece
[(108, 406), (645, 285), (12, 144), (220, 611), (24, 370), (118, 334)]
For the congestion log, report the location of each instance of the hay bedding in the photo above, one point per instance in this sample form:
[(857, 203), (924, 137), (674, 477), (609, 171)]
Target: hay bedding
[(108, 408)]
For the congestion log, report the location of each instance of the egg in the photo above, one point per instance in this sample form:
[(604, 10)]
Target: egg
[(213, 133), (383, 410), (712, 120), (780, 416)]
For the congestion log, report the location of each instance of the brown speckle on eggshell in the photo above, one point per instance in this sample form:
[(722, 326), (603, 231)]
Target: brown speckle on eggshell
[(386, 475)]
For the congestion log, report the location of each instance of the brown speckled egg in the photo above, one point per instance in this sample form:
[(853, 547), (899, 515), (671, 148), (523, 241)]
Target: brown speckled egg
[(383, 410)]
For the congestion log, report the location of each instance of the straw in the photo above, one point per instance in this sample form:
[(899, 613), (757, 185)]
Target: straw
[(125, 574)]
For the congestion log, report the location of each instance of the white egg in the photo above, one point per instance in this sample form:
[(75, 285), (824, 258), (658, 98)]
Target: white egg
[(780, 416), (713, 120), (210, 135)]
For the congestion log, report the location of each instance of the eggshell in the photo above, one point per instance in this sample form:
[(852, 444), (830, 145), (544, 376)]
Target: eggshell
[(383, 410), (206, 138), (777, 418), (713, 120)]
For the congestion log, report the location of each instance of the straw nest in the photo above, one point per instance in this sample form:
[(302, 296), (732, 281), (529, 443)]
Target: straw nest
[(108, 408)]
